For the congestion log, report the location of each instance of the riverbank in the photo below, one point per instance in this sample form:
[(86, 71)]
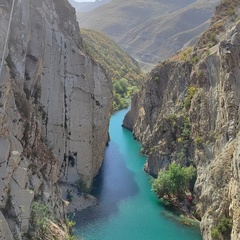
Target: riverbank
[(127, 207)]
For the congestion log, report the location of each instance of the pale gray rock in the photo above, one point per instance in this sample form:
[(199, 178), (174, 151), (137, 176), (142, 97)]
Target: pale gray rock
[(55, 106), (5, 232)]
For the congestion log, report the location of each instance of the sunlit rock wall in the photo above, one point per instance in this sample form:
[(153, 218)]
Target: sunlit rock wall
[(55, 105), (188, 112)]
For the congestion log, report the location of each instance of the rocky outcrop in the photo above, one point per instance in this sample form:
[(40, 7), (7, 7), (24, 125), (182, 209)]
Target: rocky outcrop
[(188, 112), (55, 106)]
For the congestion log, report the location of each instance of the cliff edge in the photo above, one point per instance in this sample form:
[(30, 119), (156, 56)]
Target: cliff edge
[(187, 112), (55, 105)]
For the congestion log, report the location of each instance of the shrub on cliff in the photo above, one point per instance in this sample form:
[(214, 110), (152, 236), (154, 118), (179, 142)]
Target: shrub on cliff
[(174, 181), (223, 229), (44, 226), (40, 217)]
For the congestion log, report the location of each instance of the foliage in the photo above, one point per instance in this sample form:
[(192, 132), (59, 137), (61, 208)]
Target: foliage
[(199, 141), (174, 181), (215, 233), (195, 59), (162, 128), (82, 187), (186, 130), (40, 221), (153, 149), (224, 228), (186, 53), (123, 70), (70, 224), (190, 93), (40, 216)]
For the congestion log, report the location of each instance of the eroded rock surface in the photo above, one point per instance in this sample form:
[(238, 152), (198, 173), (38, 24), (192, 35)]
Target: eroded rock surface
[(188, 112), (55, 105)]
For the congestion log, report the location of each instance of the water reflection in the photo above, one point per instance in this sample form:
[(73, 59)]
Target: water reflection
[(114, 183)]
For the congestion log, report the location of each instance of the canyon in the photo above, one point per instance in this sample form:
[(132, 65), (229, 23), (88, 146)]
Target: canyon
[(55, 106)]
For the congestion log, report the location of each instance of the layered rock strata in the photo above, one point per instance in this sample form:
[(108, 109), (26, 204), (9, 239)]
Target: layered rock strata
[(55, 106), (188, 112)]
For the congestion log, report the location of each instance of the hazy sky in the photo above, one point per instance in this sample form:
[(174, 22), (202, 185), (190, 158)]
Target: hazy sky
[(85, 0)]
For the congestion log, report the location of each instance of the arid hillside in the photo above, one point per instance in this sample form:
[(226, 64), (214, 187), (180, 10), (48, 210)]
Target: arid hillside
[(151, 31)]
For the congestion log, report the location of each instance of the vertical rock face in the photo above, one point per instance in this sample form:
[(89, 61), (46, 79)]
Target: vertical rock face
[(55, 105), (188, 112)]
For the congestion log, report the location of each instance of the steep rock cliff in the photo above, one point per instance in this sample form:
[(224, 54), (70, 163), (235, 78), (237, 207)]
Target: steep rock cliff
[(55, 106), (188, 112)]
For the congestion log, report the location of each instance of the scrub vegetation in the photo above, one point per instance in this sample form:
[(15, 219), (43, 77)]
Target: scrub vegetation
[(223, 229), (174, 181), (123, 70), (43, 225)]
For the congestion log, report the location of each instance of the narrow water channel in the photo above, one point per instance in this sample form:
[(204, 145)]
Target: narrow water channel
[(127, 209)]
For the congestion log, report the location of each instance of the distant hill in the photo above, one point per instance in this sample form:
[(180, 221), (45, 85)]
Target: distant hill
[(87, 6), (151, 31), (124, 71)]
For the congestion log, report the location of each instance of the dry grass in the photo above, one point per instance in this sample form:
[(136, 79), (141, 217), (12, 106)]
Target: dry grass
[(184, 55)]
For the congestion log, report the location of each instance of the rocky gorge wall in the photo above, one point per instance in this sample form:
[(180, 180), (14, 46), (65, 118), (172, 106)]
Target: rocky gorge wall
[(55, 105), (187, 112)]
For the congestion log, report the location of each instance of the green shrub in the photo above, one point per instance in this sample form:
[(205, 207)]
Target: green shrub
[(153, 149), (215, 233), (70, 224), (208, 52), (162, 128), (223, 228), (225, 225), (174, 181), (186, 130), (82, 187), (190, 93), (187, 103), (200, 74), (40, 216), (186, 54), (199, 141), (195, 59)]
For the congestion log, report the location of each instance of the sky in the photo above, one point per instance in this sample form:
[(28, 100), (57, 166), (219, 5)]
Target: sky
[(84, 0)]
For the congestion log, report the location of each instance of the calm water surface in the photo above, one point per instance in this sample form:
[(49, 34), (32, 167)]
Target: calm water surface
[(127, 209)]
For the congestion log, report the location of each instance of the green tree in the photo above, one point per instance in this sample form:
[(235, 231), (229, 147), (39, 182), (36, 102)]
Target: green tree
[(121, 87), (123, 70), (174, 181)]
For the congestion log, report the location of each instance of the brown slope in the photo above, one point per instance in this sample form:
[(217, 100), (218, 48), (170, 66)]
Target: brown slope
[(150, 31), (118, 17)]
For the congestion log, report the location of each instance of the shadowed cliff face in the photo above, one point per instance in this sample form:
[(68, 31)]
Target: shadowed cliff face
[(55, 108), (188, 112)]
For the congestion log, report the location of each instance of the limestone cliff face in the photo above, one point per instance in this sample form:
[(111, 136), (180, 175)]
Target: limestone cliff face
[(188, 112), (55, 106)]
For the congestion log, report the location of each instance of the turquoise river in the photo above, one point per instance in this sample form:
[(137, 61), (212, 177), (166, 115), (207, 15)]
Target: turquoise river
[(128, 209)]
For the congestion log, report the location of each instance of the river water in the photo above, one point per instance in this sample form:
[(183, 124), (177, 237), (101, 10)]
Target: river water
[(128, 209)]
